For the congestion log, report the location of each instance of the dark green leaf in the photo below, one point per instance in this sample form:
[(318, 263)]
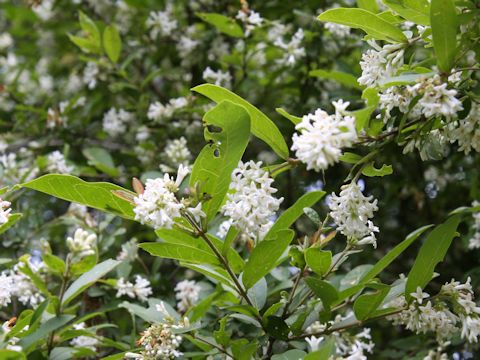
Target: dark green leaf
[(443, 19)]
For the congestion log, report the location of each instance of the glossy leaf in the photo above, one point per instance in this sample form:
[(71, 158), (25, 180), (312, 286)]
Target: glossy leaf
[(443, 19)]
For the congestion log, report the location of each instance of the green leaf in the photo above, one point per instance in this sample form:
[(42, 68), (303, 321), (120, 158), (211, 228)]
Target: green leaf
[(97, 195), (265, 256), (11, 355), (371, 171), (180, 252), (318, 260), (277, 328), (362, 19), (366, 304), (290, 355), (291, 215), (350, 158), (101, 159), (324, 290), (343, 78), (431, 253), (84, 264), (90, 28), (112, 43), (214, 165), (324, 352), (84, 44), (443, 19), (223, 23), (261, 126), (88, 279), (416, 11), (370, 5), (12, 219), (294, 119), (54, 263), (45, 329)]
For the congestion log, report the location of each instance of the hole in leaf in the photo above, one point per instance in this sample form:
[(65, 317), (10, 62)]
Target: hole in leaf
[(216, 153), (214, 129)]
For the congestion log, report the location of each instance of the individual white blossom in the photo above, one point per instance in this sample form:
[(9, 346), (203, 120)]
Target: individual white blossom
[(6, 289), (186, 292), (158, 111), (351, 211), (380, 63), (250, 18), (313, 343), (56, 163), (250, 203), (219, 77), (187, 44), (115, 121), (4, 211), (293, 50), (161, 23), (157, 205), (141, 289), (321, 137), (83, 243), (83, 341), (474, 242)]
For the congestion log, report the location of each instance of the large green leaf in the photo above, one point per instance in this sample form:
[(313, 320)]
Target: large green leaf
[(416, 11), (180, 252), (89, 278), (262, 126), (97, 195), (431, 253), (362, 19), (443, 19), (223, 23), (291, 215), (214, 165), (42, 332), (265, 256)]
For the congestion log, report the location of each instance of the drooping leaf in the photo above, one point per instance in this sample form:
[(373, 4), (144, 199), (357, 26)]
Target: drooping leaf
[(261, 126), (214, 165), (443, 19), (369, 22)]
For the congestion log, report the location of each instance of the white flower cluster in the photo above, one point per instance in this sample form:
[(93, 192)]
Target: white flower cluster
[(250, 18), (56, 163), (186, 292), (158, 205), (91, 74), (219, 77), (141, 289), (467, 131), (380, 63), (4, 211), (6, 289), (115, 121), (293, 50), (84, 341), (82, 243), (161, 23), (251, 204), (158, 111), (14, 283), (474, 242), (129, 251), (12, 342), (177, 154), (321, 137), (351, 211), (338, 30), (425, 315)]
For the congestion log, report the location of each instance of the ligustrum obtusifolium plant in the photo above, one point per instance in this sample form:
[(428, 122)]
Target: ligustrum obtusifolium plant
[(232, 249)]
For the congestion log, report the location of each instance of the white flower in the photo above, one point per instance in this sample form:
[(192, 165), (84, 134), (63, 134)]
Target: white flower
[(157, 111), (56, 163), (141, 289), (321, 137), (250, 203), (4, 211), (161, 23), (219, 77), (44, 9), (129, 251), (187, 292), (83, 243), (159, 342), (338, 30), (380, 63), (91, 74), (293, 50), (6, 289), (313, 342), (177, 153), (83, 341), (474, 242), (466, 131), (6, 40), (158, 206), (115, 121), (22, 287), (223, 228), (351, 211), (250, 18)]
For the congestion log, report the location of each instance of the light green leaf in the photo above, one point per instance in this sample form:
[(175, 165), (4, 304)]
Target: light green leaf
[(362, 19), (265, 256), (11, 355), (443, 19), (12, 220), (97, 195), (416, 11), (431, 253), (102, 160), (45, 329), (54, 263), (180, 252), (343, 78), (214, 165), (370, 5), (85, 44), (371, 171), (223, 23), (366, 304), (294, 354), (291, 215), (261, 126), (318, 260), (294, 119), (112, 43), (350, 158), (89, 278)]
